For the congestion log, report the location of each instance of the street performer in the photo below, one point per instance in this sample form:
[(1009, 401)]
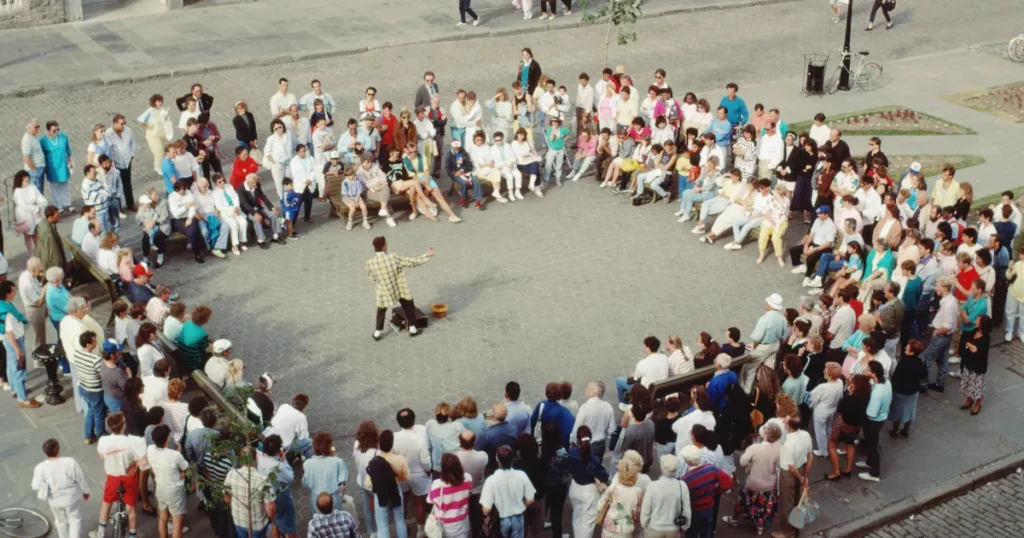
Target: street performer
[(387, 271)]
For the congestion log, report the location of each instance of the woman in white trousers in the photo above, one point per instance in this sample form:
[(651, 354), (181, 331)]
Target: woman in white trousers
[(225, 200), (62, 482), (277, 153), (824, 401), (588, 480)]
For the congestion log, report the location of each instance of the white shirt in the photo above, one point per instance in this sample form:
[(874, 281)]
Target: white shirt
[(505, 490), (946, 317), (178, 206), (843, 322), (167, 465), (186, 115), (290, 424), (683, 426), (119, 452), (585, 97), (63, 478), (480, 155), (411, 444), (302, 172), (823, 232), (107, 260), (825, 397), (597, 415), (771, 149), (280, 148), (14, 327), (156, 389), (547, 103), (185, 165), (502, 156), (298, 128), (651, 369), (29, 288), (869, 203), (148, 355), (820, 133), (795, 451), (281, 102), (523, 152), (220, 201), (457, 115), (91, 245)]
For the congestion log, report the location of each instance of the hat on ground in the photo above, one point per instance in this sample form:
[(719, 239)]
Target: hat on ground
[(690, 454), (915, 167), (111, 346), (456, 144), (141, 270), (824, 210), (333, 155), (222, 345), (145, 199), (775, 301)]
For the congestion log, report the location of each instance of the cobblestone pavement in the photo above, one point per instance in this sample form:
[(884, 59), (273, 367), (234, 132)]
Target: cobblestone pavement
[(540, 290), (991, 511)]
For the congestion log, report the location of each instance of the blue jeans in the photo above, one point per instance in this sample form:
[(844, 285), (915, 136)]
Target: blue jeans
[(684, 185), (828, 263), (701, 524), (103, 216), (37, 177), (690, 197), (581, 166), (712, 207), (16, 377), (743, 227), (937, 352), (371, 522), (512, 527), (113, 221), (460, 135), (478, 188), (113, 404), (553, 161), (94, 414), (381, 515), (622, 386), (222, 239), (243, 532), (302, 446)]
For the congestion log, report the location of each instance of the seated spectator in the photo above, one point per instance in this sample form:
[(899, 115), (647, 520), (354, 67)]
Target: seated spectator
[(80, 226), (215, 231), (194, 341), (707, 349), (258, 209), (291, 424), (182, 207), (157, 307), (733, 347), (701, 414), (228, 206), (242, 167), (91, 240), (174, 322), (650, 370), (155, 219), (217, 367)]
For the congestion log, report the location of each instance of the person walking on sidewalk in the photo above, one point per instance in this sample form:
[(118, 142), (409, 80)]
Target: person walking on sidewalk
[(62, 483), (886, 6), (877, 413), (465, 8)]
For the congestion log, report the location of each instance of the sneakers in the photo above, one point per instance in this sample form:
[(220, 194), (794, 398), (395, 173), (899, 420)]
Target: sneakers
[(413, 331), (698, 230), (454, 219), (460, 24), (377, 335), (543, 16), (366, 224), (835, 20), (733, 246), (217, 254), (806, 281), (814, 292), (955, 374), (476, 22), (348, 226), (820, 454), (954, 360), (382, 213), (684, 218), (500, 199), (412, 215), (536, 190), (623, 407), (862, 465), (678, 213), (799, 269), (235, 251), (868, 477), (391, 222), (519, 195), (479, 204), (815, 282), (575, 178)]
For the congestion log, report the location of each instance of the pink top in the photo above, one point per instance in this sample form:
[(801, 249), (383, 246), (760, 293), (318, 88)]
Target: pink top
[(453, 506), (587, 147)]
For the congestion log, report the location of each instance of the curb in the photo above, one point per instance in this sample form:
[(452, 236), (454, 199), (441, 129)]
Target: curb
[(11, 92), (928, 498)]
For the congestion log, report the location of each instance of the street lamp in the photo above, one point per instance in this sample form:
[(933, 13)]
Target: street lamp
[(844, 76)]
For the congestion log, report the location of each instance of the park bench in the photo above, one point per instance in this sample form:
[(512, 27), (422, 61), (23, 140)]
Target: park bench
[(681, 384), (86, 263)]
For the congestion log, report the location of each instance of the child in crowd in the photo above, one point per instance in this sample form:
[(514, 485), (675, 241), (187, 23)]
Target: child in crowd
[(290, 203), (352, 196)]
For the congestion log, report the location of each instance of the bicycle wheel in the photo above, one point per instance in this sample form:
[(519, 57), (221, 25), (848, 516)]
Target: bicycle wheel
[(833, 83), (23, 523), (869, 77), (1016, 49), (120, 521)]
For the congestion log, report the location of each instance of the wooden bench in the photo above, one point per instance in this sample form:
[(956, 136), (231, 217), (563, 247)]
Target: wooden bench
[(85, 262), (332, 186), (681, 384), (217, 398)]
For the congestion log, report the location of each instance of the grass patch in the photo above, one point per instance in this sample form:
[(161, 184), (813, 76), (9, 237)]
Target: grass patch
[(990, 101), (993, 199), (928, 124)]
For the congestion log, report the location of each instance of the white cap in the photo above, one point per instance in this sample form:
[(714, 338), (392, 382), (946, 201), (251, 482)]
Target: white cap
[(145, 199), (334, 155), (915, 167), (222, 345), (775, 301)]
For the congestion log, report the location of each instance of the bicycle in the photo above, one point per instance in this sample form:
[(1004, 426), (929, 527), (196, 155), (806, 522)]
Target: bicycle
[(23, 523), (119, 515), (1016, 48), (865, 76)]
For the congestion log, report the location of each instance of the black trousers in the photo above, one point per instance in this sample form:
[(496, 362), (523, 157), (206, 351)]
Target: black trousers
[(211, 162), (464, 8), (191, 232), (126, 184), (555, 502), (874, 454), (867, 233), (999, 302), (307, 201), (796, 251), (879, 4), (159, 241), (407, 305)]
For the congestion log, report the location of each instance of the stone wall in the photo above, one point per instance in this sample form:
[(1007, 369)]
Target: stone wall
[(26, 13)]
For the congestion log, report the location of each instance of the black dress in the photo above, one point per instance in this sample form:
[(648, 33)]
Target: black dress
[(802, 167)]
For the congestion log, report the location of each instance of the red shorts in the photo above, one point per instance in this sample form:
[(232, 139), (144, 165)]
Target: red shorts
[(131, 489)]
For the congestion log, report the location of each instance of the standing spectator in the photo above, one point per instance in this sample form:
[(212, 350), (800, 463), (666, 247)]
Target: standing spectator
[(34, 299), (122, 152), (599, 418), (624, 500), (87, 364), (794, 470), (29, 205), (113, 375), (62, 483), (1015, 298), (665, 501), (121, 456), (551, 411), (702, 413), (251, 499), (58, 165), (32, 154), (518, 413), (331, 522), (554, 459), (824, 399), (704, 481), (12, 323), (426, 91), (906, 379), (527, 460), (325, 472), (49, 243), (588, 480), (450, 495), (849, 417), (271, 460), (974, 353), (758, 499), (245, 127), (168, 467), (442, 434), (411, 443), (638, 435), (474, 463), (384, 473), (529, 71), (496, 435), (194, 341), (366, 447), (767, 336), (510, 492), (877, 412)]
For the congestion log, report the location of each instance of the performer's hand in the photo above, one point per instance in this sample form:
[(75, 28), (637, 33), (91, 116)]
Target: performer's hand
[(430, 252)]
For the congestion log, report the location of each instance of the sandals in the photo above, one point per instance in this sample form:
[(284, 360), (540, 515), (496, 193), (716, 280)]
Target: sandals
[(829, 477)]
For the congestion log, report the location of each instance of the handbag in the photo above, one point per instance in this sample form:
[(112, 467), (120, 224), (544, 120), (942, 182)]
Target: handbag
[(681, 520), (537, 425), (22, 226), (806, 511), (602, 512), (432, 528), (756, 416), (889, 5)]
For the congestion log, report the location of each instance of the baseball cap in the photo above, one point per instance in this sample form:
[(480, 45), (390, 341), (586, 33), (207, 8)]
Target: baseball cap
[(145, 199), (823, 210), (141, 270), (333, 155), (915, 167), (222, 345), (456, 144), (111, 346)]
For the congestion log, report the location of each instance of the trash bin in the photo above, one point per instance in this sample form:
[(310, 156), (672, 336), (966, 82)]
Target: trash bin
[(814, 82)]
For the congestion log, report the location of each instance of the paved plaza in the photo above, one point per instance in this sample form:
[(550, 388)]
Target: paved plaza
[(562, 288)]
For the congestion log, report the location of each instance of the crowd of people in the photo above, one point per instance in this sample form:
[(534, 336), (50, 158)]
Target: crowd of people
[(901, 280)]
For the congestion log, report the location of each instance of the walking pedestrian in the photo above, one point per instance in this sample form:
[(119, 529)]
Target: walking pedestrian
[(62, 483), (464, 7)]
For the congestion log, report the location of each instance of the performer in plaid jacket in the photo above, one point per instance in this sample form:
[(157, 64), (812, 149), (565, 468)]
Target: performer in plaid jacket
[(387, 271)]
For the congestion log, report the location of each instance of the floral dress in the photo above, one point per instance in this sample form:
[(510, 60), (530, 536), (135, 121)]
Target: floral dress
[(624, 511)]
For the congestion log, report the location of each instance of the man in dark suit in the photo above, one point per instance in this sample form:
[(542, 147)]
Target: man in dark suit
[(204, 102), (258, 209)]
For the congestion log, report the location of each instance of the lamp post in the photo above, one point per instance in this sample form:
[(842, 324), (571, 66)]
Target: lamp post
[(844, 76)]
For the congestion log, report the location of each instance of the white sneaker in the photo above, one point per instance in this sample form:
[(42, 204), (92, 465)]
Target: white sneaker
[(815, 282), (868, 477), (413, 215), (526, 17), (862, 465), (954, 360), (391, 222), (432, 211), (460, 24), (536, 190), (733, 246), (840, 452), (160, 259), (122, 216), (366, 224), (382, 213), (511, 197), (244, 248), (955, 374), (699, 229), (806, 282), (798, 269), (454, 219), (500, 199), (519, 195), (476, 22), (1008, 338), (575, 178), (217, 253), (7, 387), (684, 218), (820, 454), (814, 292), (543, 16), (677, 213), (236, 252), (349, 225)]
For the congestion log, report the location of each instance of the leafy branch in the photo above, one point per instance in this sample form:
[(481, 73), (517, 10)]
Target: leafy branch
[(620, 15)]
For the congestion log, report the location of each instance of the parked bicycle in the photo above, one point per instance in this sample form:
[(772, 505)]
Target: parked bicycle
[(1016, 48), (23, 523), (119, 515), (864, 75)]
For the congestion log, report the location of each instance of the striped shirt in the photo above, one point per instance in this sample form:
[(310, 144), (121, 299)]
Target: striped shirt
[(216, 468), (122, 147), (704, 481), (88, 367), (453, 506), (31, 148)]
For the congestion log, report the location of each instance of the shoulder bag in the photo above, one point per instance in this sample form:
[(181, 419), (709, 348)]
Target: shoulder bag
[(432, 527), (681, 520), (605, 506), (756, 416)]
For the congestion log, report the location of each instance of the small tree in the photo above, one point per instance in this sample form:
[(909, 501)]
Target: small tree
[(618, 14), (238, 442)]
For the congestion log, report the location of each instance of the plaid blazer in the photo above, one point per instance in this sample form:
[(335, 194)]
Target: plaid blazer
[(387, 271)]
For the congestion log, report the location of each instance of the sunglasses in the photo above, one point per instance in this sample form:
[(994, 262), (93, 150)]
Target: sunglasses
[(370, 94)]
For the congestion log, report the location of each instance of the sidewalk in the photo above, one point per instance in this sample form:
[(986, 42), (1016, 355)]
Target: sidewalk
[(192, 41)]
